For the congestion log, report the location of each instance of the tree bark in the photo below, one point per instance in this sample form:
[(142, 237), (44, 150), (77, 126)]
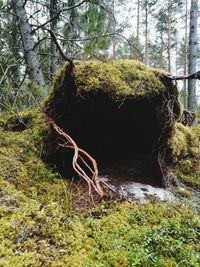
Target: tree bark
[(146, 34), (185, 53), (114, 29), (29, 44), (161, 61), (169, 33), (193, 45), (138, 23), (53, 9)]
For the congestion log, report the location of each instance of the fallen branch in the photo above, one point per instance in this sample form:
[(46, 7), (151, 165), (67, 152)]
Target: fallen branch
[(93, 182)]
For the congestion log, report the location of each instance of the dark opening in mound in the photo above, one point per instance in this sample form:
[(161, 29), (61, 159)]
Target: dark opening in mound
[(128, 135), (126, 132)]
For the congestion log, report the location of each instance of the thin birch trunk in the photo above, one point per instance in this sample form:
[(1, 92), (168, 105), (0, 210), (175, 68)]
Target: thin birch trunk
[(169, 34), (193, 45), (29, 44)]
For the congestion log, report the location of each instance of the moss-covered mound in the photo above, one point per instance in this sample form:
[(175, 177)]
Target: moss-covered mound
[(37, 224), (119, 78), (114, 110)]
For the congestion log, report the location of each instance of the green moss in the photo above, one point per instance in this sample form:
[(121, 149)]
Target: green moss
[(183, 192), (183, 140), (17, 121), (38, 227), (37, 224), (20, 164), (120, 78), (124, 235), (185, 149), (188, 170)]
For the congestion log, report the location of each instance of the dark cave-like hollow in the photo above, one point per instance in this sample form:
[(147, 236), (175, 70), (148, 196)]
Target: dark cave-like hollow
[(112, 132)]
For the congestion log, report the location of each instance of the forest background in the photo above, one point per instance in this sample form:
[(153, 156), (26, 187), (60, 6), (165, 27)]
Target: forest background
[(152, 31)]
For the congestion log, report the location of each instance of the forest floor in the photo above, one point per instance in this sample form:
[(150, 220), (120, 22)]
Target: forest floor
[(48, 221)]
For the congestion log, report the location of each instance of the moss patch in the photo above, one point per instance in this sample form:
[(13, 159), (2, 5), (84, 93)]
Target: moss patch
[(184, 140), (185, 149), (120, 78), (113, 235), (38, 227)]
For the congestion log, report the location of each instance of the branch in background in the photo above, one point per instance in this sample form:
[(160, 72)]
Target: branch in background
[(131, 45), (32, 15), (25, 3), (39, 41), (5, 73), (102, 36), (59, 47), (58, 14), (194, 76)]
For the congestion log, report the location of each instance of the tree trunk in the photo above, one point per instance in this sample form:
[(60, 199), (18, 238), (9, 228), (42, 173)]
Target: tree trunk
[(114, 29), (169, 33), (146, 35), (28, 43), (161, 61), (53, 25), (138, 24), (13, 43), (193, 44), (185, 53)]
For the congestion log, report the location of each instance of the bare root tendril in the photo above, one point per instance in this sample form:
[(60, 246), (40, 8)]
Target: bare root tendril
[(80, 154)]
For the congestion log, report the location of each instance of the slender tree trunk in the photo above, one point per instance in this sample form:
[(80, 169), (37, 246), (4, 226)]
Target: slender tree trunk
[(14, 45), (28, 42), (146, 35), (169, 33), (53, 25), (161, 52), (193, 45), (138, 24), (185, 53), (114, 29)]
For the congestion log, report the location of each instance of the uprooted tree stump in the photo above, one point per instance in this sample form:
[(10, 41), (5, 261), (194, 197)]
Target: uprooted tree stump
[(113, 111)]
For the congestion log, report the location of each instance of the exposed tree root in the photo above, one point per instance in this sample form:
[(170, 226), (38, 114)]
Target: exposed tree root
[(188, 117), (79, 154)]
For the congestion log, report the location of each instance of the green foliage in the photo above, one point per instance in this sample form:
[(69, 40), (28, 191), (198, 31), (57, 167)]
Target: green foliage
[(95, 22), (131, 50)]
